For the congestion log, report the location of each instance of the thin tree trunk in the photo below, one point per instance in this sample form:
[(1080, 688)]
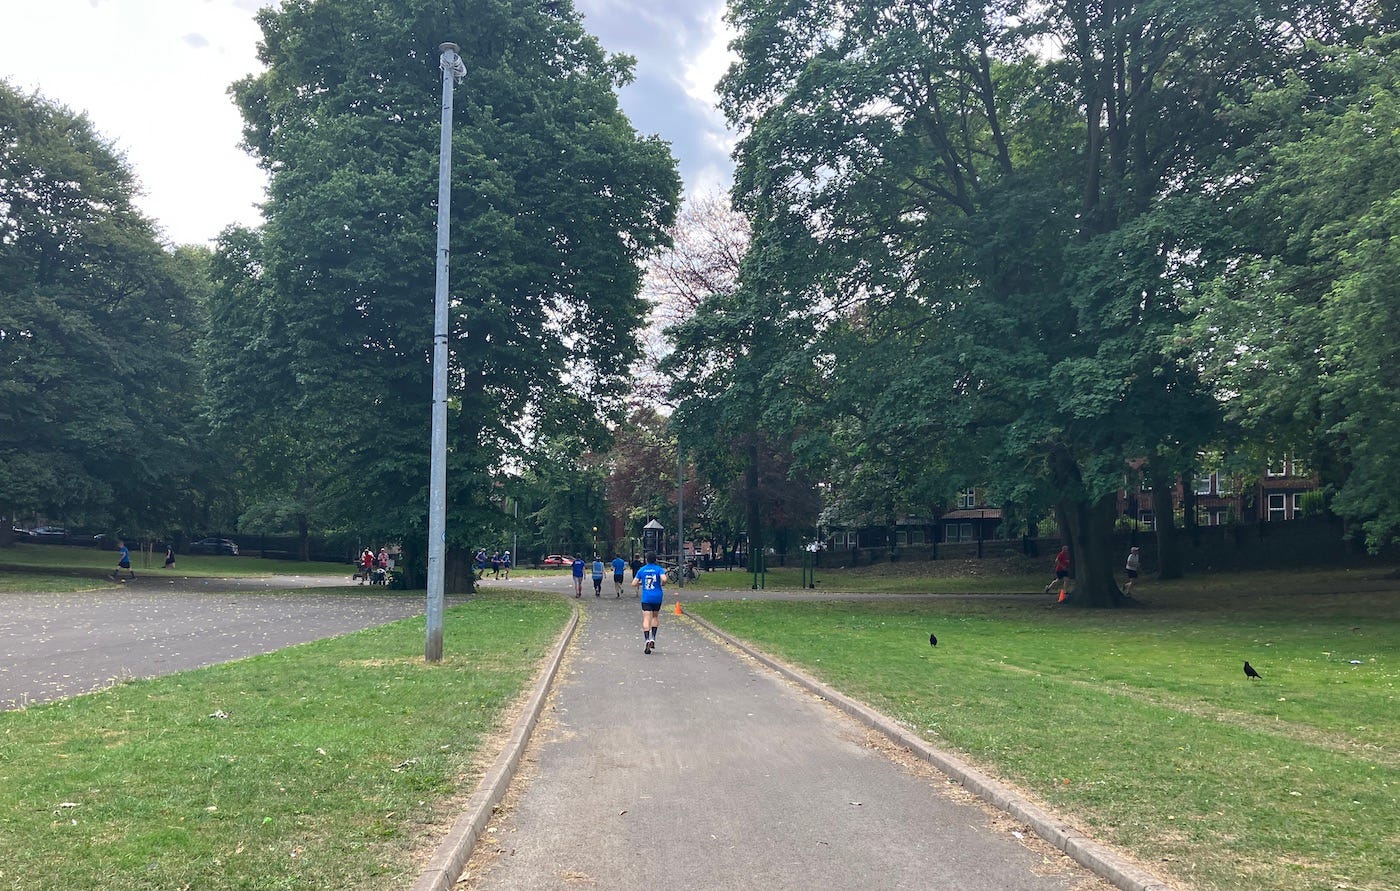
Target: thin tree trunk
[(1164, 515)]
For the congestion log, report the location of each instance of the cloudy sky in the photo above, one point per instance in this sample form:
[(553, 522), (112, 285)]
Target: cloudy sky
[(153, 75)]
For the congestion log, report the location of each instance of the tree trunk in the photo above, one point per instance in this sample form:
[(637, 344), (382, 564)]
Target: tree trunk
[(303, 539), (1088, 527), (1164, 515), (458, 577), (752, 506)]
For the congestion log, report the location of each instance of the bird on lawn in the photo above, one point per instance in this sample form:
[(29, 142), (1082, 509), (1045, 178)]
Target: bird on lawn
[(932, 641), (1250, 673)]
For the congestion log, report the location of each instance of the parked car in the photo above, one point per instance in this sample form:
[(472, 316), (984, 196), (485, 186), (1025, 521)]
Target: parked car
[(53, 533), (20, 533), (557, 560), (213, 546)]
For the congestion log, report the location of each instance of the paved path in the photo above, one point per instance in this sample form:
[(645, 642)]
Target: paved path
[(695, 768), (57, 645)]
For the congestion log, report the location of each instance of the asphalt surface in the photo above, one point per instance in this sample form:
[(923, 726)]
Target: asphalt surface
[(695, 767), (59, 645)]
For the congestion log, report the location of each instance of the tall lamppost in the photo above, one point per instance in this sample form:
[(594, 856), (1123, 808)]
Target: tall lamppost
[(595, 542), (452, 71)]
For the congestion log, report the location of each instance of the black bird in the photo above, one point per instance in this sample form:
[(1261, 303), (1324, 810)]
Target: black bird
[(1249, 672), (932, 641)]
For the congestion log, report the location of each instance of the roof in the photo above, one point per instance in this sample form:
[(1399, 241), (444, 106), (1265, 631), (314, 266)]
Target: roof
[(976, 513)]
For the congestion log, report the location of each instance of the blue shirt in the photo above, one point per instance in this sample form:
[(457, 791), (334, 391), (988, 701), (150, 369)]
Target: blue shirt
[(650, 576), (124, 556), (619, 564), (578, 568)]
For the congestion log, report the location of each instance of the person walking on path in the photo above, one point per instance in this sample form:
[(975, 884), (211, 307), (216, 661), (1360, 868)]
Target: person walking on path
[(578, 576), (1061, 574), (170, 556), (597, 577), (1133, 565), (123, 562), (651, 580), (619, 566)]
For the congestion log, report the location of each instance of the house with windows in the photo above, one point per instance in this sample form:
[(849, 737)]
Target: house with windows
[(1221, 498)]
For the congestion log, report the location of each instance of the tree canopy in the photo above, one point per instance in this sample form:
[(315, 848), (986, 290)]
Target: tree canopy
[(98, 421), (556, 201)]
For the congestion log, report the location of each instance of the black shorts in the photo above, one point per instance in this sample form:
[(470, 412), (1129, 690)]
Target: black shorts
[(651, 607), (125, 564), (617, 578), (1061, 573), (1132, 573)]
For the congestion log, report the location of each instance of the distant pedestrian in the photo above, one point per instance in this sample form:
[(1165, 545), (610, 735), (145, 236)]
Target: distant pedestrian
[(123, 562), (382, 558), (366, 565), (170, 556), (1133, 565), (1061, 574), (597, 577), (650, 579), (619, 566), (577, 569), (505, 565), (495, 564)]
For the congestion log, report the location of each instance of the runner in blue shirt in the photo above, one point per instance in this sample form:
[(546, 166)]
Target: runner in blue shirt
[(597, 577), (650, 579), (123, 562), (578, 576), (618, 565)]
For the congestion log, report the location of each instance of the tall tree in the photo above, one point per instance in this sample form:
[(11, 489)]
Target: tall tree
[(1299, 335), (556, 201), (1014, 231), (97, 398)]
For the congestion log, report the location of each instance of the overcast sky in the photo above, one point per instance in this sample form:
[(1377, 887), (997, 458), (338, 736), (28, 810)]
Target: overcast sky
[(153, 76)]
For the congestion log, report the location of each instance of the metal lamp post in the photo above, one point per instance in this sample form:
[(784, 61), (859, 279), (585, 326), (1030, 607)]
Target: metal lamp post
[(452, 71)]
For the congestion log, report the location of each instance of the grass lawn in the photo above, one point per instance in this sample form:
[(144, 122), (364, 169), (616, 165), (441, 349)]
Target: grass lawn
[(319, 766), (1140, 724)]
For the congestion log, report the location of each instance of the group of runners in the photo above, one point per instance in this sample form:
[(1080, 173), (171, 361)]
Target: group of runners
[(499, 563), (648, 577)]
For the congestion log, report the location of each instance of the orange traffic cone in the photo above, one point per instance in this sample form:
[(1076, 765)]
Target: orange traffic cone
[(678, 608)]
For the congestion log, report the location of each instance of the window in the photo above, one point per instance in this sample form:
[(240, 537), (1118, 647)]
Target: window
[(1203, 485), (1224, 484), (1278, 507), (1277, 467), (1297, 504), (955, 532), (1146, 519), (967, 498)]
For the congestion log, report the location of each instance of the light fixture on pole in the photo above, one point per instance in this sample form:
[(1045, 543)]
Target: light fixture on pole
[(452, 71)]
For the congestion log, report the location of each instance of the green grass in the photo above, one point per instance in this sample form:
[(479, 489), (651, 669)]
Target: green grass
[(319, 766), (1140, 724)]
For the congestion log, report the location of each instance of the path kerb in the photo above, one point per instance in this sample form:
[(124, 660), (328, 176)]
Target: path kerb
[(450, 859), (1098, 858)]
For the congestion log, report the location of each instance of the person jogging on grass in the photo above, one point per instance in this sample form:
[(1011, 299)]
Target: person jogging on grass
[(651, 580), (1061, 574), (619, 566)]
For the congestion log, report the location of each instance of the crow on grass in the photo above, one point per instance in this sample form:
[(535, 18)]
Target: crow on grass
[(1250, 673), (932, 641)]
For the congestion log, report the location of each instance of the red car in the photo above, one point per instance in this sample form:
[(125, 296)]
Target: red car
[(557, 560)]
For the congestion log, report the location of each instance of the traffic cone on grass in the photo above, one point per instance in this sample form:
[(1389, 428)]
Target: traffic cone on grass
[(678, 608)]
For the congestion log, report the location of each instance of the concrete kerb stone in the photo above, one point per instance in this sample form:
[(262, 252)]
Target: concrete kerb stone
[(450, 859), (1090, 854)]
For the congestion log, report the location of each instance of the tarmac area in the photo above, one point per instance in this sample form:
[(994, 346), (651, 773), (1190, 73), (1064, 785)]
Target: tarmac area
[(60, 645)]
